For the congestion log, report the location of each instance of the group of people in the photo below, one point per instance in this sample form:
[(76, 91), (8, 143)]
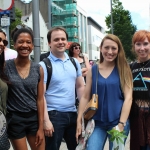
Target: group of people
[(44, 117)]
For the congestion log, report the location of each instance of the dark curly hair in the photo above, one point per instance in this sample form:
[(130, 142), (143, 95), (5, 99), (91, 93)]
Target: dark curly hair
[(71, 49)]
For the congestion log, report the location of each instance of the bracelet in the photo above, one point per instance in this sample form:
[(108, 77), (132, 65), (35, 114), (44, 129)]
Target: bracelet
[(124, 124)]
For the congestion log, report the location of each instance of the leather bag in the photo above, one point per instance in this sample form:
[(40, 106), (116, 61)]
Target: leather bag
[(92, 105)]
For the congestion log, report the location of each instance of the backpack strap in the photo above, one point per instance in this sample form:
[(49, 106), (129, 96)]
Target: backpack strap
[(48, 65), (74, 63)]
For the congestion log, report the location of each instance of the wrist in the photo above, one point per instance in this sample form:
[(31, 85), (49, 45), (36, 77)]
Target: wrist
[(122, 123)]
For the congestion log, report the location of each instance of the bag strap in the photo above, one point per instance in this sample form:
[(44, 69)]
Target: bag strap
[(48, 65), (73, 62), (96, 78)]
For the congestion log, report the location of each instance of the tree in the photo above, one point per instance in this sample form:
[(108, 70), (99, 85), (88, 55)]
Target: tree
[(13, 24), (122, 26)]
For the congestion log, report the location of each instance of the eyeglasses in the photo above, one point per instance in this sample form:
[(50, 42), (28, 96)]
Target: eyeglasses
[(5, 42), (76, 47), (23, 26)]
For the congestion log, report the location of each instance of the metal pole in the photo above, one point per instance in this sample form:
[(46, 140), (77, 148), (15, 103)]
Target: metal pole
[(36, 30), (112, 30), (7, 34), (49, 14)]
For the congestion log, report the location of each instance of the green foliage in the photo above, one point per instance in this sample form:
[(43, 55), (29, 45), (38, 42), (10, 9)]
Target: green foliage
[(122, 26), (116, 135), (15, 23)]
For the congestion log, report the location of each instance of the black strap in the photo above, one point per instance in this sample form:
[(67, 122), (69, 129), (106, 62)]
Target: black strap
[(74, 63), (48, 65)]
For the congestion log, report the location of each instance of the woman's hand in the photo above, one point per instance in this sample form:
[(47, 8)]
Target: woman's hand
[(48, 128), (84, 71), (121, 127), (78, 130), (39, 137)]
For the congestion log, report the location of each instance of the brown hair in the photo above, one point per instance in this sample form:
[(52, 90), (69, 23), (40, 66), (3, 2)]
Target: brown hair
[(55, 29), (71, 49), (121, 62)]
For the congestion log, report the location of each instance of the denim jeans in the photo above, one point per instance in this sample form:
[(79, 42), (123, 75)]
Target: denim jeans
[(145, 147), (64, 124), (99, 136)]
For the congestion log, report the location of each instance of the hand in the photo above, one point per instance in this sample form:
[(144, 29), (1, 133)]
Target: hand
[(121, 127), (39, 137), (78, 130), (48, 128), (84, 71)]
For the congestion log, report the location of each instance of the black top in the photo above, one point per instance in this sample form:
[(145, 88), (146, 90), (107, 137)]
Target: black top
[(22, 93)]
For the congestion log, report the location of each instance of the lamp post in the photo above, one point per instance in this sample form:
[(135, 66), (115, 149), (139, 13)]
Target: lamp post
[(36, 28), (112, 30)]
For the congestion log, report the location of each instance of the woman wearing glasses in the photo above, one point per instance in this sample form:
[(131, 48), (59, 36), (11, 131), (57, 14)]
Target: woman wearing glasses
[(4, 142), (25, 104), (75, 51)]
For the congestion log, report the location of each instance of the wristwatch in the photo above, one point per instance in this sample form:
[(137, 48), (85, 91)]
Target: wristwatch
[(123, 123)]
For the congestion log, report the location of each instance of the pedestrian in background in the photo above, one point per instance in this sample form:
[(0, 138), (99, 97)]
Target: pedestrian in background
[(60, 120), (25, 103), (114, 89), (140, 110), (9, 53), (75, 51), (4, 142)]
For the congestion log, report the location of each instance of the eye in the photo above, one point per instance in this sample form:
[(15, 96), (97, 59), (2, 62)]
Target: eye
[(137, 44), (114, 48), (145, 43), (106, 47)]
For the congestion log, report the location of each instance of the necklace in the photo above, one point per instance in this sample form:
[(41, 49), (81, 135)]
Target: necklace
[(143, 64), (23, 75)]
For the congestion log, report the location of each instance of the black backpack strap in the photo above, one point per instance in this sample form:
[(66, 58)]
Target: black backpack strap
[(74, 63), (48, 65)]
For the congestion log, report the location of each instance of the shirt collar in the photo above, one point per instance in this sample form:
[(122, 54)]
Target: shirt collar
[(55, 58)]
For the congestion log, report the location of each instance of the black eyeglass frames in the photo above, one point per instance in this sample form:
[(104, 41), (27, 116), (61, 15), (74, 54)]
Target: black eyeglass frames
[(5, 42)]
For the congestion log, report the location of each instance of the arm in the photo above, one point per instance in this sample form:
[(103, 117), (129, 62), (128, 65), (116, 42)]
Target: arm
[(126, 106), (85, 70), (40, 109), (83, 102), (48, 126)]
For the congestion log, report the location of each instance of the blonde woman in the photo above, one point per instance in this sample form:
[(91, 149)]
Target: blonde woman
[(114, 89)]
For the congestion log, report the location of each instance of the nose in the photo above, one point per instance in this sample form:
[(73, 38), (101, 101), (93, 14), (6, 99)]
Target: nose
[(1, 43), (24, 44), (110, 51), (142, 46)]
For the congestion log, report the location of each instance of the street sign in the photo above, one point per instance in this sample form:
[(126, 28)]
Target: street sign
[(6, 4), (5, 21)]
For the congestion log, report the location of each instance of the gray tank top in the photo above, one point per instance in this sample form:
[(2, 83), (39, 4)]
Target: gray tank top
[(22, 93)]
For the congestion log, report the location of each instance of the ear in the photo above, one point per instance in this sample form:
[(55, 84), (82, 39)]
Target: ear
[(49, 44)]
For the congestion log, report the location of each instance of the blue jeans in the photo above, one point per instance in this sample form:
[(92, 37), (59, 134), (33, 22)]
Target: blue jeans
[(64, 124), (145, 147), (99, 136)]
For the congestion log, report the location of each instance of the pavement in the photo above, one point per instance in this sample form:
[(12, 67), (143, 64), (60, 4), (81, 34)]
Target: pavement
[(64, 147)]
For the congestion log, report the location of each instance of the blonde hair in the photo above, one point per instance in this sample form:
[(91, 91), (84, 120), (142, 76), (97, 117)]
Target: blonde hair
[(121, 62)]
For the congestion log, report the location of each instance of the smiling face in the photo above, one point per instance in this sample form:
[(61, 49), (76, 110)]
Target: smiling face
[(2, 37), (24, 44), (142, 49), (109, 50), (58, 42)]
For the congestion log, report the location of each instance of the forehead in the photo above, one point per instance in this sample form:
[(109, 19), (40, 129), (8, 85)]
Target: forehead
[(109, 42), (143, 40), (24, 35), (2, 36), (58, 34)]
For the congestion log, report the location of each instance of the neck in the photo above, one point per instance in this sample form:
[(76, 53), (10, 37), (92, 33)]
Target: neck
[(22, 62), (59, 55), (140, 60), (76, 56), (108, 64)]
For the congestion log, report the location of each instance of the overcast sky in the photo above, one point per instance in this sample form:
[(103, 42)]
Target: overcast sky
[(98, 9)]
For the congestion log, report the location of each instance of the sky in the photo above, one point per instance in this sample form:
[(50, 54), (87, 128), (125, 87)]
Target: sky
[(98, 9)]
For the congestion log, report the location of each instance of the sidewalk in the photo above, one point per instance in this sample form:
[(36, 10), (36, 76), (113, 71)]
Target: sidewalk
[(64, 147)]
